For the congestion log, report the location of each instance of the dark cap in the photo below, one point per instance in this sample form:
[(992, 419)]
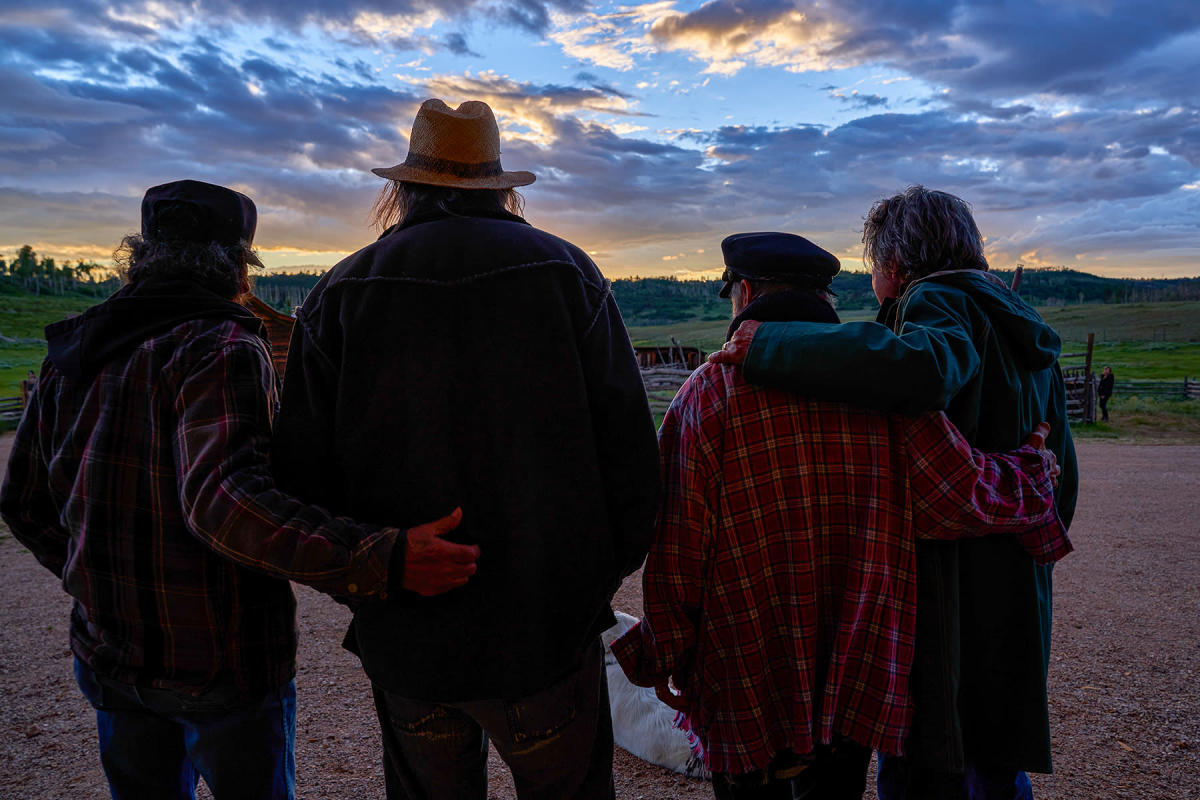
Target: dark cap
[(194, 211), (781, 257)]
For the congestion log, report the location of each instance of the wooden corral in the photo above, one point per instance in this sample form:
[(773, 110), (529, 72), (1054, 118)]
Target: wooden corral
[(279, 330), (1081, 385), (673, 355)]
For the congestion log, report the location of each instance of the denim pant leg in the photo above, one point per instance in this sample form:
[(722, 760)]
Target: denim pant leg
[(985, 782), (430, 750), (837, 772), (899, 779), (558, 742), (247, 751), (143, 754)]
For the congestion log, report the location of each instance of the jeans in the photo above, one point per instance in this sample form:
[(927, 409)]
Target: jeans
[(558, 742), (158, 743), (832, 772), (899, 780)]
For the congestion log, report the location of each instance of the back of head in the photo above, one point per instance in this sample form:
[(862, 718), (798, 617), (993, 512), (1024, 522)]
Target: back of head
[(453, 165), (194, 231), (922, 231)]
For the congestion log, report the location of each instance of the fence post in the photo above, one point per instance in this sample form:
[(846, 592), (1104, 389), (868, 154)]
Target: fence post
[(1089, 383)]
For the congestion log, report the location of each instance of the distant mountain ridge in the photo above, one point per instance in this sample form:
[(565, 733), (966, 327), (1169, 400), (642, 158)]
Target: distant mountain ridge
[(662, 301)]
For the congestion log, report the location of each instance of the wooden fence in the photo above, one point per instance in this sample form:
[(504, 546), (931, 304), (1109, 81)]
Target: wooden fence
[(1081, 384), (662, 384), (1186, 389), (10, 409)]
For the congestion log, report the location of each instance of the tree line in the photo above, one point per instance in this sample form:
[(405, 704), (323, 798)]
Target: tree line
[(46, 276), (643, 301)]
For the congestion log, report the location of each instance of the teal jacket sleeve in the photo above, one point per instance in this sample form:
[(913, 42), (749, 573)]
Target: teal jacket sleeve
[(911, 372)]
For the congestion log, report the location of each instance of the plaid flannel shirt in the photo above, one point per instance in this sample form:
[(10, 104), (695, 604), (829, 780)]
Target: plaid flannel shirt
[(148, 490), (780, 592)]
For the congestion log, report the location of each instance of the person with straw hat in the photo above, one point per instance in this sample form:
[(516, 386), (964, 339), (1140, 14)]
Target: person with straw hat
[(466, 358)]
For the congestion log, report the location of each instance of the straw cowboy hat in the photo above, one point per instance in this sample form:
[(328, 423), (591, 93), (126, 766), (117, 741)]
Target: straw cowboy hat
[(455, 147)]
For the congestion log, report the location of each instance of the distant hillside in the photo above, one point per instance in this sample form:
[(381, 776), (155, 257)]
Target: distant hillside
[(662, 301)]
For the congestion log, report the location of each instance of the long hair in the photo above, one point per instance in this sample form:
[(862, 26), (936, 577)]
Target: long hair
[(220, 268), (922, 231), (400, 199)]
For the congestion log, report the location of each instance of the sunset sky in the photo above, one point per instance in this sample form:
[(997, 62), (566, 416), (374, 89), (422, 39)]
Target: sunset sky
[(1072, 126)]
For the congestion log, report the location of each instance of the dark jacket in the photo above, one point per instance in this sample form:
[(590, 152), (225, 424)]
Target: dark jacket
[(963, 342), (482, 363), (140, 476)]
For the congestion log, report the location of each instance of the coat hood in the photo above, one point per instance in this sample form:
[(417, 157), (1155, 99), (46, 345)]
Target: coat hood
[(79, 347), (1018, 324)]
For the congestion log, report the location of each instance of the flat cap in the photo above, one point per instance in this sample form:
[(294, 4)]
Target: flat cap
[(195, 211), (782, 257)]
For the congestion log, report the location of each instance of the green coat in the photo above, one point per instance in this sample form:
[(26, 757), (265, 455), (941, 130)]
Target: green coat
[(959, 341)]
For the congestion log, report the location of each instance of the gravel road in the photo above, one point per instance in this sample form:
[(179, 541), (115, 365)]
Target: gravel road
[(1125, 701)]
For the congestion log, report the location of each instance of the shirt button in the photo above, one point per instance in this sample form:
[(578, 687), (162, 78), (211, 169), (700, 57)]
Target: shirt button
[(352, 588)]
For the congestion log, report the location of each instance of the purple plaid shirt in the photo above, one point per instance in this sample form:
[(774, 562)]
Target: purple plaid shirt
[(780, 592), (148, 490)]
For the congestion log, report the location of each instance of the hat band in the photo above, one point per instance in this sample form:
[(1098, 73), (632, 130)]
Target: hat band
[(458, 169)]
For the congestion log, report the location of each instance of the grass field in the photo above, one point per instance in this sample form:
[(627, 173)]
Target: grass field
[(23, 317), (1158, 341), (1129, 339)]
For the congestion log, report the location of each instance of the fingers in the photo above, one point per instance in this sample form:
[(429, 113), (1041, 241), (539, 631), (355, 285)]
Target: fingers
[(734, 351), (670, 699), (440, 527), (432, 564), (1037, 439), (729, 354), (454, 553)]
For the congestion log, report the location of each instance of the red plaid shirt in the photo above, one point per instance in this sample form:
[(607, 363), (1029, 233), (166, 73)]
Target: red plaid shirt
[(148, 490), (780, 593)]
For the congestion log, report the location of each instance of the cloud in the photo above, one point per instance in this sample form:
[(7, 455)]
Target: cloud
[(530, 111), (1063, 152)]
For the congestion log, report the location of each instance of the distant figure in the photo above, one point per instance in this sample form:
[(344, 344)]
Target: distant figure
[(27, 386), (780, 593), (139, 476), (1105, 391), (468, 358)]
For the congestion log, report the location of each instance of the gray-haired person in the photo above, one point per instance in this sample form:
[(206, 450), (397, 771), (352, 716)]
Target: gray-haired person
[(469, 359), (951, 336)]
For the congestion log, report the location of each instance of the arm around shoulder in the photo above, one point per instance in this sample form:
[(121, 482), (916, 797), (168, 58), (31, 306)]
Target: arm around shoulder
[(866, 364)]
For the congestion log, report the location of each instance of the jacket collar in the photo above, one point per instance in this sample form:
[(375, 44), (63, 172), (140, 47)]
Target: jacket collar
[(420, 216), (82, 345), (792, 305)]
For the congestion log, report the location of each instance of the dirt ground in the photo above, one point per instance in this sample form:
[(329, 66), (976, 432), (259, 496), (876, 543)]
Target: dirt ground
[(1124, 694)]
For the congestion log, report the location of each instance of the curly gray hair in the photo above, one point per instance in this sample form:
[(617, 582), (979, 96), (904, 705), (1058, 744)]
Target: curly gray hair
[(922, 231)]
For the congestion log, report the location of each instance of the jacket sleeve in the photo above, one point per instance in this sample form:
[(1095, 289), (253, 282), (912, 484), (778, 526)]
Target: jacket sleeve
[(224, 412), (958, 491), (672, 583), (25, 500), (868, 365), (624, 434)]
